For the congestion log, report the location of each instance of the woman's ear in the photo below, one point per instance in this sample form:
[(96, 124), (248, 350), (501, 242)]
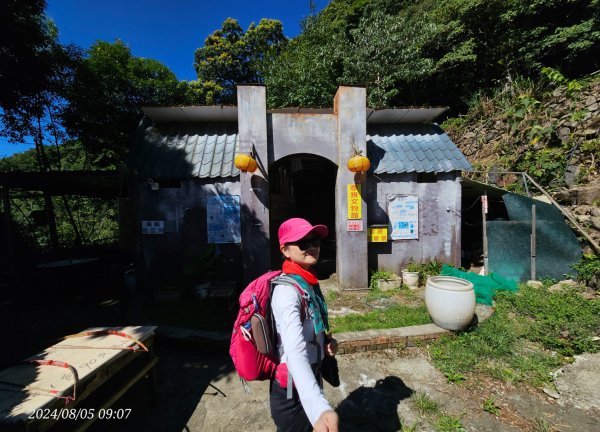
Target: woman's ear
[(284, 251)]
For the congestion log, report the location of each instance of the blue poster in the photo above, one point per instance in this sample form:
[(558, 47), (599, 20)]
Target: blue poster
[(223, 219)]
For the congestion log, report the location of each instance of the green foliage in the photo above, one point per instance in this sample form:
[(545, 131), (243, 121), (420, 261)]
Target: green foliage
[(331, 295), (409, 428), (390, 317), (430, 51), (514, 343), (27, 58), (524, 105), (424, 404), (489, 405), (380, 274), (543, 165), (448, 423), (562, 321), (412, 266), (588, 268), (106, 95), (306, 73), (558, 78), (94, 220), (80, 220), (430, 268), (230, 56)]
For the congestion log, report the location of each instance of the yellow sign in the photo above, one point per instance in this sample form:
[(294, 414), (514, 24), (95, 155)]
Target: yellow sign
[(354, 204), (378, 234)]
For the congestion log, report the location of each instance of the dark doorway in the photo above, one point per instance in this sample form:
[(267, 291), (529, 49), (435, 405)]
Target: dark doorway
[(304, 186)]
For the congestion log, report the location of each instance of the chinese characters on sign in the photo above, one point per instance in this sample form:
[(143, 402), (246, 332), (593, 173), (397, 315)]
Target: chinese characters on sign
[(354, 204), (223, 219), (378, 234), (153, 227), (354, 225), (403, 211)]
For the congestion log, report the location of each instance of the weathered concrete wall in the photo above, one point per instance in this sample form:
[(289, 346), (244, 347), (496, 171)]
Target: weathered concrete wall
[(159, 256), (351, 249), (439, 220), (254, 188), (303, 133)]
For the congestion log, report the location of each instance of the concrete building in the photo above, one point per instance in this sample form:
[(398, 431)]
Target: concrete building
[(188, 192)]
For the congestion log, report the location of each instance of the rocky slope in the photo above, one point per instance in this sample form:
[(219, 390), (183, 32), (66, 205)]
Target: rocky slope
[(553, 135)]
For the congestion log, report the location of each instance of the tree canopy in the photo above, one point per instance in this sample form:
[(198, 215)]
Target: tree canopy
[(105, 97), (27, 45), (433, 51), (231, 56)]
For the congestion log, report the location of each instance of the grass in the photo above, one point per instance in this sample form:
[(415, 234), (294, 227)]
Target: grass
[(531, 334), (448, 423), (390, 317), (376, 293), (489, 405), (425, 405), (412, 428), (431, 410)]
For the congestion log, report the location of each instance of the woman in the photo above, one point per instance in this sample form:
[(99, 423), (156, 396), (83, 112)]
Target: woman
[(301, 326)]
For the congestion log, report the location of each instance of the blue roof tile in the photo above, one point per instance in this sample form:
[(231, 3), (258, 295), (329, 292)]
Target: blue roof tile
[(185, 150), (207, 150), (405, 148)]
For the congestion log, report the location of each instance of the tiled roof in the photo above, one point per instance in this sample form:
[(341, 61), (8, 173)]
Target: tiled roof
[(185, 150), (394, 149)]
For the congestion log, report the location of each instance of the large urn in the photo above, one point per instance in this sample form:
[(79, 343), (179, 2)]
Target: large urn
[(450, 302)]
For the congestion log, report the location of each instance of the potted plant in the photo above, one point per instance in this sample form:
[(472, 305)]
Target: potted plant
[(199, 271), (385, 280), (411, 274)]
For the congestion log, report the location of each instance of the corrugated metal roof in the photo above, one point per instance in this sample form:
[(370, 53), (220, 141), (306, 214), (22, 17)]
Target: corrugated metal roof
[(394, 149), (185, 150)]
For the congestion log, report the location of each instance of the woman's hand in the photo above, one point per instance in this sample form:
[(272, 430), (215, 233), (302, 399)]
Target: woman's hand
[(328, 422), (331, 346)]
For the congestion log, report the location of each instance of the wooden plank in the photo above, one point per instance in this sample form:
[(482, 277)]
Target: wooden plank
[(95, 359), (108, 403)]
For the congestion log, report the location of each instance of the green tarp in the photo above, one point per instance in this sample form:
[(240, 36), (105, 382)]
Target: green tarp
[(485, 286), (509, 242)]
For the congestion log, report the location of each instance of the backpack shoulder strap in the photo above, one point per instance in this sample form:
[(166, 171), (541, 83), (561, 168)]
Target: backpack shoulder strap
[(284, 279)]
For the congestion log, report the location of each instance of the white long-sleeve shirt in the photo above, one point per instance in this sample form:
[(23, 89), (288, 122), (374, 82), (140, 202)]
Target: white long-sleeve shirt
[(295, 343)]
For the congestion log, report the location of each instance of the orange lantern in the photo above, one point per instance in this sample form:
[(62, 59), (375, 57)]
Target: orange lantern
[(245, 162), (359, 164)]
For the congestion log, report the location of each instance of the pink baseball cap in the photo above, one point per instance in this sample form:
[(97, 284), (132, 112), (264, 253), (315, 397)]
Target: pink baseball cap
[(295, 229)]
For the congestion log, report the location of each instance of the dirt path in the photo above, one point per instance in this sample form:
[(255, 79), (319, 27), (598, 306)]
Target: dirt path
[(378, 393)]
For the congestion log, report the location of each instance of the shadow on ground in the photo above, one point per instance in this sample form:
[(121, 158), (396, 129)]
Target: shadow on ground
[(374, 408), (182, 376)]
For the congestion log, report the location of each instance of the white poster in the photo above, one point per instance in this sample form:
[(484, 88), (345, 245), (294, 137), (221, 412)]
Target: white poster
[(403, 211), (223, 219)]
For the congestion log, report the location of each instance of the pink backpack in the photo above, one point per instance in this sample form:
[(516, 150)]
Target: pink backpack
[(252, 348)]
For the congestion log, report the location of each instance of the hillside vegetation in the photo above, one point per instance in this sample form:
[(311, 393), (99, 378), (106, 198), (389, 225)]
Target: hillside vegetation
[(549, 129)]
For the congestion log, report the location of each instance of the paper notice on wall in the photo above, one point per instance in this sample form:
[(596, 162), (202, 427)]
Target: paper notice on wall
[(153, 227), (223, 219), (403, 211)]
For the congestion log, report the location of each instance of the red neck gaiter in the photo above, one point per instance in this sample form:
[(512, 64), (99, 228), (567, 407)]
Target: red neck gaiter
[(290, 267)]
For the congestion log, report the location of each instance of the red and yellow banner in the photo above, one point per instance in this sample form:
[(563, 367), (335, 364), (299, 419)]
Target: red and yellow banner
[(354, 204)]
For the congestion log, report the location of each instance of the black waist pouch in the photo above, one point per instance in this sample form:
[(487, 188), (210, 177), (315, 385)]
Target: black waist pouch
[(330, 371)]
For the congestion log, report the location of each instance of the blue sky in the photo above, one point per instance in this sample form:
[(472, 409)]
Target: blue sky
[(168, 31)]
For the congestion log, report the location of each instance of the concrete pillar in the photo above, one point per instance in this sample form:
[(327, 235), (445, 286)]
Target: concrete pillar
[(254, 188), (351, 248)]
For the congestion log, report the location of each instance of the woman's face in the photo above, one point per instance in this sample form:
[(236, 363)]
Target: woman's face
[(304, 252)]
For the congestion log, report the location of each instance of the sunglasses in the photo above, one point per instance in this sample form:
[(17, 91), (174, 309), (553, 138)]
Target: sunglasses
[(307, 243)]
